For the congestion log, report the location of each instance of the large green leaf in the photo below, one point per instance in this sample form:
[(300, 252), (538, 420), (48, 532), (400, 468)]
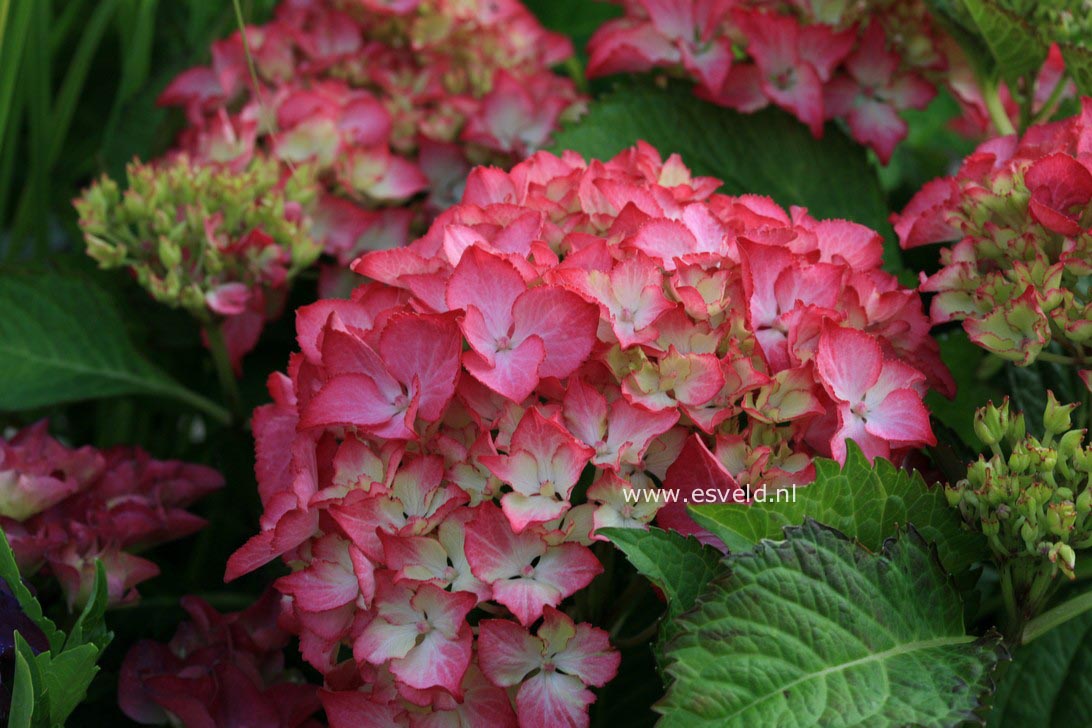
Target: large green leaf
[(816, 631), (62, 339), (1049, 682), (679, 565), (766, 153), (867, 502), (1013, 42)]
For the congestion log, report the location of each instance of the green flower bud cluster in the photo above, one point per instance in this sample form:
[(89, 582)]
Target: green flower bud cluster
[(203, 237), (1032, 498)]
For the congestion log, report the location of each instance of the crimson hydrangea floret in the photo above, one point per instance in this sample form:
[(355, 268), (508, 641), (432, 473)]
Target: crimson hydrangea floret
[(446, 442), (392, 102), (862, 62), (1019, 212), (63, 508), (218, 670)]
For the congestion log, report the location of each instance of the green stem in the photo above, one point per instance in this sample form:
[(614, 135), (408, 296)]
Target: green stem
[(201, 404), (640, 638), (996, 109), (1060, 614), (1027, 101), (224, 373), (1056, 358), (1008, 595)]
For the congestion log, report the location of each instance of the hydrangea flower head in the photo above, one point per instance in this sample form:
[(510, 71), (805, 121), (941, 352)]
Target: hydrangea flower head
[(221, 243), (218, 669), (861, 62), (448, 440), (391, 102), (1018, 214), (63, 508)]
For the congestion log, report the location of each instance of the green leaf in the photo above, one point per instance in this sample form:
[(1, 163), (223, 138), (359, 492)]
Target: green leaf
[(1049, 681), (866, 502), (766, 153), (1014, 44), (62, 340), (1078, 61), (50, 685), (66, 678), (816, 631), (90, 626), (9, 572), (679, 565), (21, 714), (954, 18), (35, 677)]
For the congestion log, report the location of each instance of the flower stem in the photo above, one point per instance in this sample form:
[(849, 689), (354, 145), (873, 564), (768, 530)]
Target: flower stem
[(224, 373), (1056, 358), (1060, 614), (996, 109)]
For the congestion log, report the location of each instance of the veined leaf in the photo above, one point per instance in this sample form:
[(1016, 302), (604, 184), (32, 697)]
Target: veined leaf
[(62, 339), (680, 566), (867, 502), (815, 631), (1014, 44)]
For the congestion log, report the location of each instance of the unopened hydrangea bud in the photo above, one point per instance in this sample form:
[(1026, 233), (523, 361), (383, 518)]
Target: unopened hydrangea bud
[(1084, 502), (1060, 518), (1056, 418), (987, 426), (170, 255)]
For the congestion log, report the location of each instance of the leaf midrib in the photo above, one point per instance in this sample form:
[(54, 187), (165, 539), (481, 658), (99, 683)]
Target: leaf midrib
[(152, 383), (896, 651)]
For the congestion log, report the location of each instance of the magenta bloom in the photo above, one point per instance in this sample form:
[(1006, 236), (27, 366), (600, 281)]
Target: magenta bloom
[(218, 670), (62, 509)]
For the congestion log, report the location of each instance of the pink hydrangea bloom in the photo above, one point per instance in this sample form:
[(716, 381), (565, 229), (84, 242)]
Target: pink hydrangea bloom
[(63, 508), (447, 442), (1018, 215), (861, 62), (392, 101)]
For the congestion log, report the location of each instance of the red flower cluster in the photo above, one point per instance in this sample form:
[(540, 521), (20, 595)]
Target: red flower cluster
[(219, 670), (393, 101), (570, 325), (1021, 211), (862, 62), (62, 508)]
